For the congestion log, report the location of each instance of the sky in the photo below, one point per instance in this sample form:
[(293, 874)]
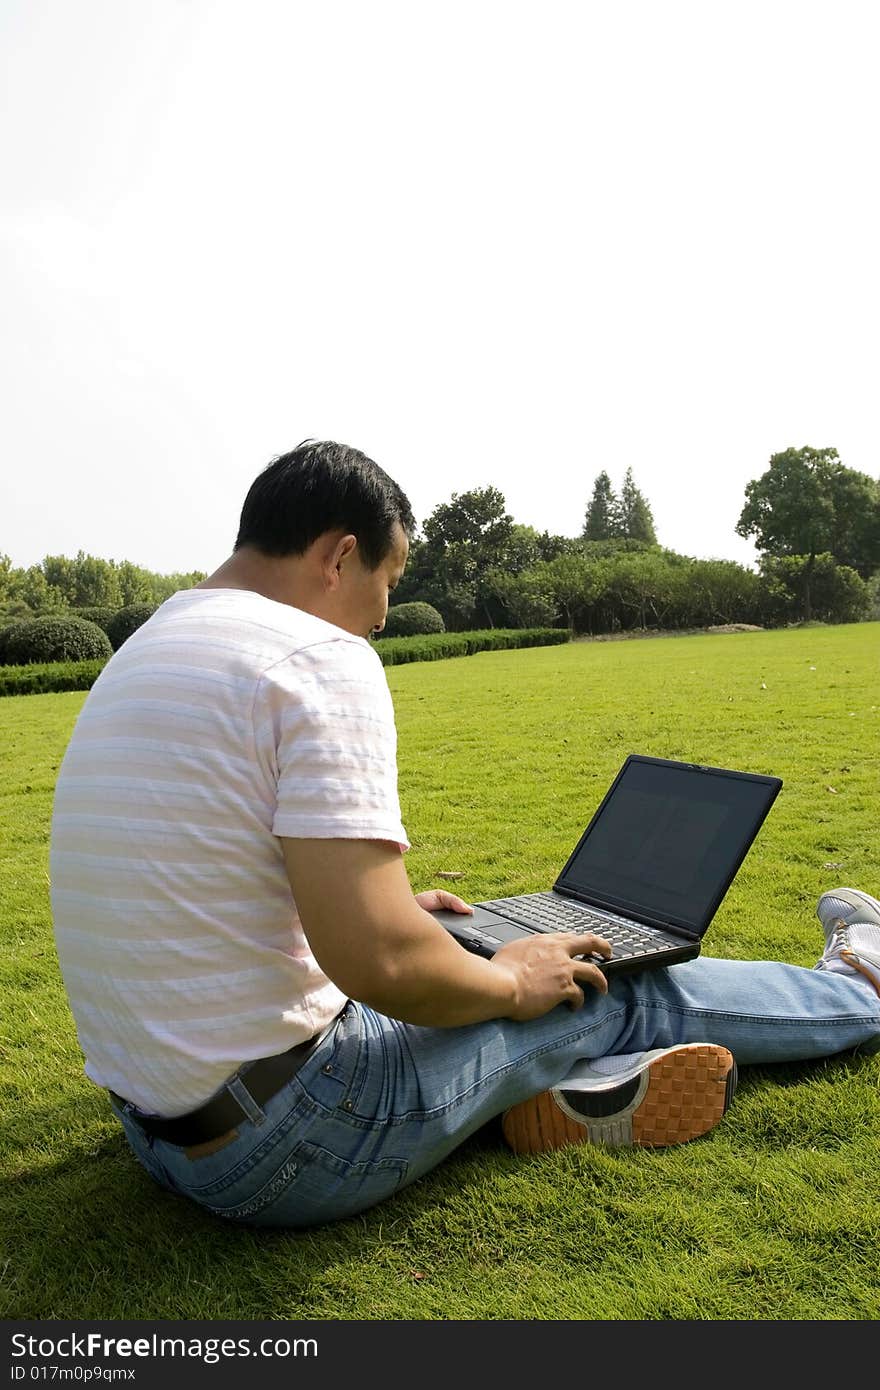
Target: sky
[(486, 242)]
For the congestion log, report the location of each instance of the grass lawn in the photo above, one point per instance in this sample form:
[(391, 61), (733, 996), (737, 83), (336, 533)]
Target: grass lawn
[(503, 757)]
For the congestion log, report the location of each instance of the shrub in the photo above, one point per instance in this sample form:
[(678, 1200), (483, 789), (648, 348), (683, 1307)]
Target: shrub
[(38, 679), (100, 616), (55, 639), (837, 594), (7, 631), (412, 620), (435, 646), (127, 620)]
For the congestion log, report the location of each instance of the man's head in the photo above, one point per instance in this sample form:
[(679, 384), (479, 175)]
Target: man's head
[(320, 487), (340, 512)]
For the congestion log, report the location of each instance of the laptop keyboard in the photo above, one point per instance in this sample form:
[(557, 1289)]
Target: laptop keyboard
[(548, 912)]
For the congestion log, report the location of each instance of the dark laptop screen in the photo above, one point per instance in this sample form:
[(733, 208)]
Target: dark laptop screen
[(667, 840)]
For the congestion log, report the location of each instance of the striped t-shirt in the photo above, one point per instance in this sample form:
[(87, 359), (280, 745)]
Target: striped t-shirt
[(224, 722)]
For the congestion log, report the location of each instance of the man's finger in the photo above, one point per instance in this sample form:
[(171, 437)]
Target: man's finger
[(575, 998), (453, 902), (583, 943), (590, 974)]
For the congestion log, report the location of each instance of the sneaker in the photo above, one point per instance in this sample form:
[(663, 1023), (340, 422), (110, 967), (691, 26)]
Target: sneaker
[(851, 923), (650, 1099)]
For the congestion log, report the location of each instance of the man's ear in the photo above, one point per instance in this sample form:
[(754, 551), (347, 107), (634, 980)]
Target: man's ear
[(335, 558)]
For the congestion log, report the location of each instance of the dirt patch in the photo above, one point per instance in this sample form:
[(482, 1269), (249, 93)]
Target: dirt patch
[(735, 627), (638, 634)]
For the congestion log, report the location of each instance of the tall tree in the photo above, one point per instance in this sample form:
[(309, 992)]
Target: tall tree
[(60, 572), (601, 518), (477, 518), (31, 587), (5, 573), (463, 539), (855, 541), (634, 519), (97, 583), (808, 504)]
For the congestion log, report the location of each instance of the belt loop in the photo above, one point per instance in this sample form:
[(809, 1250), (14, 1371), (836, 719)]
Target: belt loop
[(239, 1091)]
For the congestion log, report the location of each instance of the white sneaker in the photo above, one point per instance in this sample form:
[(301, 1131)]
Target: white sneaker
[(648, 1099), (851, 923)]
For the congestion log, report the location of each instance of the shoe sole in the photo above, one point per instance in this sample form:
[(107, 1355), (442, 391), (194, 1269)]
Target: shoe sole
[(679, 1096)]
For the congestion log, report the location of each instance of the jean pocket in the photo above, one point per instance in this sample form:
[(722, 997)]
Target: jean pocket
[(303, 1185)]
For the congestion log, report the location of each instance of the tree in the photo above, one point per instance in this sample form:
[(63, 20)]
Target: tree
[(577, 582), (634, 519), (808, 504), (789, 509), (601, 519), (523, 548), (639, 585), (31, 587), (627, 517), (464, 538), (60, 574), (855, 541), (135, 583), (525, 597), (838, 594), (477, 518), (164, 585), (59, 584), (97, 583)]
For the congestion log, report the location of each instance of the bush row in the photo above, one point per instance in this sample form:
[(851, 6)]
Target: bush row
[(70, 636), (35, 679), (49, 677), (394, 651)]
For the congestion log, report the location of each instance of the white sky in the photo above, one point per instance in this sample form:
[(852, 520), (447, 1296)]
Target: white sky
[(487, 242)]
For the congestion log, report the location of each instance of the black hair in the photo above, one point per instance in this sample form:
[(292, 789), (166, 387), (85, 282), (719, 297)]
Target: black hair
[(322, 486)]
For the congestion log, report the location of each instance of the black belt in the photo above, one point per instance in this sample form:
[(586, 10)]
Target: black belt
[(262, 1079)]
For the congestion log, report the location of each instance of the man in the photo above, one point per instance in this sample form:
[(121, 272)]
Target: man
[(286, 1033)]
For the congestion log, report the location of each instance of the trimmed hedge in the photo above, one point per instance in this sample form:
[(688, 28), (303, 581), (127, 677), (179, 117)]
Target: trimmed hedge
[(412, 620), (127, 620), (395, 651), (81, 675), (49, 677), (55, 639)]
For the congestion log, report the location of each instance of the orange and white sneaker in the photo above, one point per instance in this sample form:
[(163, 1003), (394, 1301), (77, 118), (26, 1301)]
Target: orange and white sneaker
[(647, 1099)]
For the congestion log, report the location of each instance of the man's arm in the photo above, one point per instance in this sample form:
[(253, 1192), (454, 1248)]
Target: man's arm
[(379, 946)]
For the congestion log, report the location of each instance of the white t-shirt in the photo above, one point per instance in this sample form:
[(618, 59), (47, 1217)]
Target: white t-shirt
[(226, 721)]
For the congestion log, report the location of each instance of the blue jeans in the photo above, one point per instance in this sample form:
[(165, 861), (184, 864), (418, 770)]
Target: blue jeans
[(379, 1103)]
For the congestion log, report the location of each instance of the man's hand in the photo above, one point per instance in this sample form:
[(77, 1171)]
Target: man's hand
[(380, 945), (436, 898), (546, 969)]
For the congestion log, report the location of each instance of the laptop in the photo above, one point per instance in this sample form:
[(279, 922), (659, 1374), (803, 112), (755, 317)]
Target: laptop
[(649, 872)]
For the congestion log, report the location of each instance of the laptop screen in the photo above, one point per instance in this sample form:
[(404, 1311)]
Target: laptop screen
[(667, 840)]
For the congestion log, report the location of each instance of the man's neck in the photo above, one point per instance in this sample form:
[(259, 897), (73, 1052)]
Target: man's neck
[(275, 577)]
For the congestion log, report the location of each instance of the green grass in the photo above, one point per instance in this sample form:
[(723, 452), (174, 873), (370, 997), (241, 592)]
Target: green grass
[(503, 757)]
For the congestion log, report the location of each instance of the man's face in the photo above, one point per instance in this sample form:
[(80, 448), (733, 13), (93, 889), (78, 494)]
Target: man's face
[(363, 593)]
